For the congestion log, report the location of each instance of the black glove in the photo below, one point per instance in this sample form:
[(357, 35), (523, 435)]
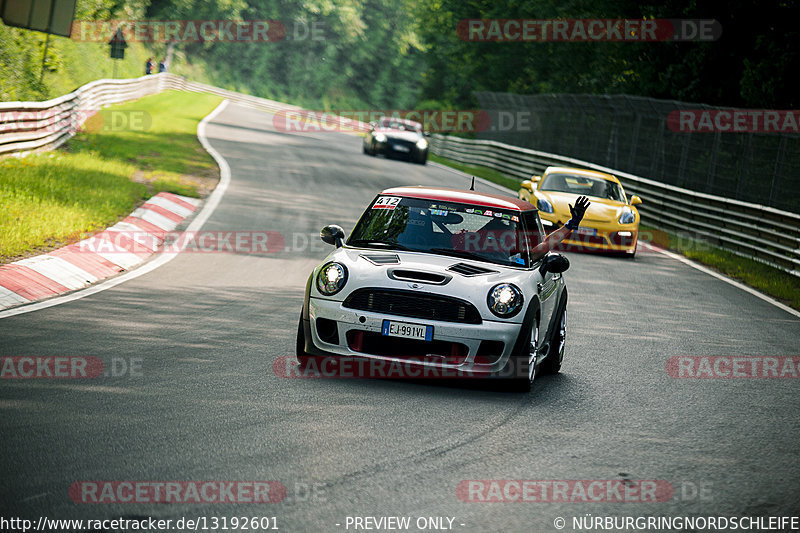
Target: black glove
[(577, 212)]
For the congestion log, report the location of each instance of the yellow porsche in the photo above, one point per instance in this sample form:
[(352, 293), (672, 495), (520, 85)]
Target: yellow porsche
[(611, 223)]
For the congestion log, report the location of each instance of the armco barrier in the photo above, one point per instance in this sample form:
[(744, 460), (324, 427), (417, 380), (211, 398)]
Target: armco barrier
[(755, 231), (37, 126)]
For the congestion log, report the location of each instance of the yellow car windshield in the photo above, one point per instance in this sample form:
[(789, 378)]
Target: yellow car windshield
[(583, 185)]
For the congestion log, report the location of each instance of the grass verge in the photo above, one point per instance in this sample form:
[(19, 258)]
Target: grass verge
[(764, 278), (479, 172), (125, 154)]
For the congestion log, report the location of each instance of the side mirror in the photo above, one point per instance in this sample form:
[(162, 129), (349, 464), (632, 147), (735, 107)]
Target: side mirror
[(555, 263), (426, 133), (635, 200), (332, 234), (527, 185)]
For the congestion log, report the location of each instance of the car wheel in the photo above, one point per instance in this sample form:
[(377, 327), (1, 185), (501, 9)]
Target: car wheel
[(524, 364), (423, 158), (552, 363), (302, 356)]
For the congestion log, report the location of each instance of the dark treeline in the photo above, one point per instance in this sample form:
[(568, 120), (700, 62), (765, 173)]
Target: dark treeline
[(751, 65), (346, 54)]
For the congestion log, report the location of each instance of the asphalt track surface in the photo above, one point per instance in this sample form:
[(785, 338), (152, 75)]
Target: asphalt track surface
[(207, 328)]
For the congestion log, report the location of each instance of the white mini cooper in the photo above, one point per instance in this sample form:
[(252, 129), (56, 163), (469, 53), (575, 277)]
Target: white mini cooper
[(440, 278)]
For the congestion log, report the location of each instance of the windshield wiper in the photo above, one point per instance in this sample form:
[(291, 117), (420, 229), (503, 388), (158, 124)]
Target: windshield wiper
[(376, 243)]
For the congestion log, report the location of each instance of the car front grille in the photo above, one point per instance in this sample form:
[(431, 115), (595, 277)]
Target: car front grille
[(413, 305), (437, 351), (402, 142)]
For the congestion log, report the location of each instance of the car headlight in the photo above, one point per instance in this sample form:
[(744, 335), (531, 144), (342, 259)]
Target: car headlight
[(627, 216), (380, 137), (544, 206), (505, 300), (331, 278), (422, 144)]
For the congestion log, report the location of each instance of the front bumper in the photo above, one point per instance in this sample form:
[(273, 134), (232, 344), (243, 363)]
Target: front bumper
[(351, 325), (607, 237), (395, 149)]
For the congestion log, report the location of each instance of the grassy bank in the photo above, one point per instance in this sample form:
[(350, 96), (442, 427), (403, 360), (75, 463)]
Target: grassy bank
[(125, 154), (764, 278), (479, 172)]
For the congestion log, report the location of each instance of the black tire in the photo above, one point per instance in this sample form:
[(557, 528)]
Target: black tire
[(422, 159), (552, 363), (521, 376), (300, 348)]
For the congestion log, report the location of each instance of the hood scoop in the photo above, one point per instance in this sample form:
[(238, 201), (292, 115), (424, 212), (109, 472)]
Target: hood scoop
[(465, 269), (419, 276), (382, 259)]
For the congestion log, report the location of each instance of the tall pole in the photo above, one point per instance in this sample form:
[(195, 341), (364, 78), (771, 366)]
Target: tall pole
[(46, 43), (44, 57)]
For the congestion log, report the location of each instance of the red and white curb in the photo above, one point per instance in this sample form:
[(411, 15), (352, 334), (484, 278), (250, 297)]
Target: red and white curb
[(98, 257)]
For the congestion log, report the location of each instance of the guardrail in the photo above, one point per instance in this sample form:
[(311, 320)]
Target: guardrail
[(759, 232), (38, 126), (763, 233)]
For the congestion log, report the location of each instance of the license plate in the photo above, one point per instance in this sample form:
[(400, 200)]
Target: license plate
[(401, 148), (586, 231), (392, 328)]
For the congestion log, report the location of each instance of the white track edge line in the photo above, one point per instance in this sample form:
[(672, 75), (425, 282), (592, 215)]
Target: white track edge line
[(211, 204), (726, 279)]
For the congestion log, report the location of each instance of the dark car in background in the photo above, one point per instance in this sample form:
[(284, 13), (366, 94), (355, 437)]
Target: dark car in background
[(397, 138)]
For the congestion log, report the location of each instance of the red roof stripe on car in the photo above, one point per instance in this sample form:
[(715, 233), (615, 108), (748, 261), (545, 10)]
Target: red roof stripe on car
[(442, 194)]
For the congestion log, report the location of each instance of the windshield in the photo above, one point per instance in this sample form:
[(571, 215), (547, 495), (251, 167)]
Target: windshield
[(399, 125), (583, 185), (445, 228)]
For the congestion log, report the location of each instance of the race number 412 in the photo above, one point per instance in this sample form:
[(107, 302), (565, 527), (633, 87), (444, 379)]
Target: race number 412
[(387, 202)]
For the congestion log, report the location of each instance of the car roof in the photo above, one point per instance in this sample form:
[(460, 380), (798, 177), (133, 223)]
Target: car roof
[(582, 172), (444, 194)]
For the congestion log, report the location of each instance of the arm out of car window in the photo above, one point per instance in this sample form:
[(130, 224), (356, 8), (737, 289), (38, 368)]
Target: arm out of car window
[(550, 241)]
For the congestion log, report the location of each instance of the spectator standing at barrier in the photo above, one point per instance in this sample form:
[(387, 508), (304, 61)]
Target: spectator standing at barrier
[(148, 67), (162, 66)]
